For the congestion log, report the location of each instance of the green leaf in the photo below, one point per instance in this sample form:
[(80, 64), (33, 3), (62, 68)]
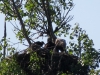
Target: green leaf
[(70, 51), (71, 37)]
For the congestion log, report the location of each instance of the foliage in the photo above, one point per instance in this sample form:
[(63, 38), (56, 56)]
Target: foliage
[(50, 18), (84, 48), (10, 67)]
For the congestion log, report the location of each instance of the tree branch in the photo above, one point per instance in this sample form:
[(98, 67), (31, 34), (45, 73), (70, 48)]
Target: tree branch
[(63, 21), (5, 34), (22, 24), (48, 15)]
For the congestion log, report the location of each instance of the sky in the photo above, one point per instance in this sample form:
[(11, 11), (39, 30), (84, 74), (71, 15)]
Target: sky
[(86, 13)]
